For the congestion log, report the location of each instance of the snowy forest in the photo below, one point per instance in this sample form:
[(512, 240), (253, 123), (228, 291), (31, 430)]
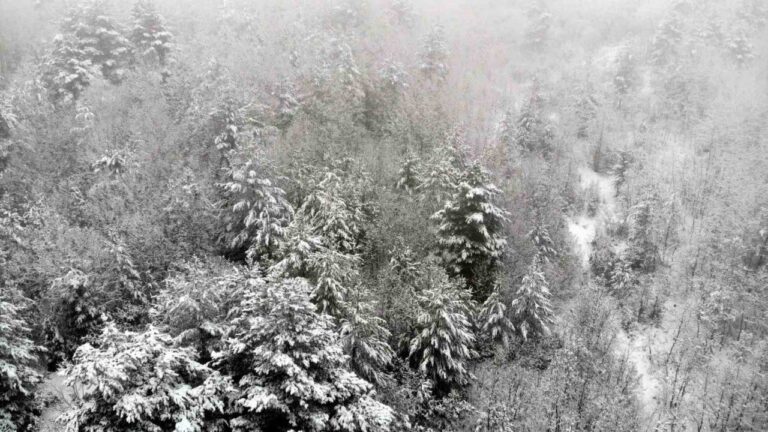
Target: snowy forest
[(383, 215)]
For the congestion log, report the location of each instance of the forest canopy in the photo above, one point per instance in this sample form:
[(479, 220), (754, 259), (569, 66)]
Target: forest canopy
[(383, 215)]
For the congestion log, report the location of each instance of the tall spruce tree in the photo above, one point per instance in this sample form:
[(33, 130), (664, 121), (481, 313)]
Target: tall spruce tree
[(18, 372), (149, 34), (255, 213), (469, 229), (531, 308), (290, 369), (443, 343)]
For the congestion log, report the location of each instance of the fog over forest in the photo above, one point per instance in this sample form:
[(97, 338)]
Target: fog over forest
[(383, 215)]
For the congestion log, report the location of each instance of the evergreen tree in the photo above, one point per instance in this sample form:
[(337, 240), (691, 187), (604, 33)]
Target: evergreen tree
[(434, 56), (289, 366), (545, 247), (493, 320), (533, 133), (18, 372), (531, 308), (149, 33), (100, 38), (141, 381), (409, 177), (444, 340), (332, 218), (67, 70), (642, 252), (364, 338), (470, 230), (255, 213)]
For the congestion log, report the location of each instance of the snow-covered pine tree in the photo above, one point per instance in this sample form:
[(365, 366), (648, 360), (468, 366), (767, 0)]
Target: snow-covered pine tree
[(443, 343), (305, 254), (67, 71), (533, 132), (142, 381), (442, 174), (290, 367), (545, 247), (469, 229), (364, 337), (100, 37), (434, 55), (331, 217), (531, 308), (197, 298), (149, 33), (410, 176), (255, 213), (18, 372), (642, 252), (333, 274), (493, 321)]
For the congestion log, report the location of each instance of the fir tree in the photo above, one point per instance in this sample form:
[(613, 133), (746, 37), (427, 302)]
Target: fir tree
[(533, 133), (545, 247), (444, 340), (67, 70), (100, 38), (331, 217), (141, 381), (434, 56), (531, 308), (537, 34), (493, 320), (364, 338), (255, 213), (18, 371), (289, 365), (409, 177), (149, 33), (470, 230)]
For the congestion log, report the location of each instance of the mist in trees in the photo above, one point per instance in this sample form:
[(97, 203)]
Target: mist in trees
[(383, 215)]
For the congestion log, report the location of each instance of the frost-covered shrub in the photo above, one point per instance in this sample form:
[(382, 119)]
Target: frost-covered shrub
[(290, 367), (142, 381)]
